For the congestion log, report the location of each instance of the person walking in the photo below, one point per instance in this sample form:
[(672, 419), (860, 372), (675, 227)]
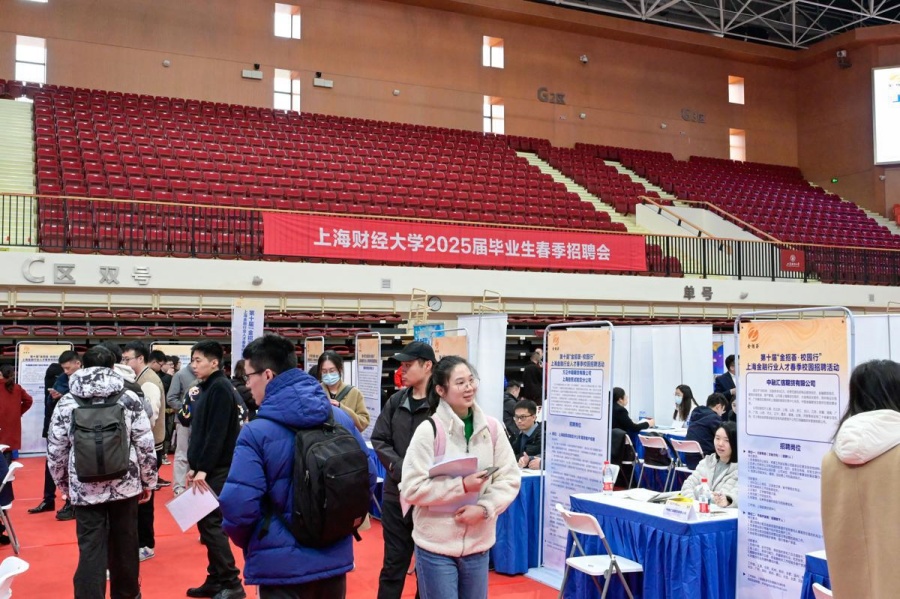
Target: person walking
[(105, 511), (453, 546), (215, 425), (402, 414), (261, 480)]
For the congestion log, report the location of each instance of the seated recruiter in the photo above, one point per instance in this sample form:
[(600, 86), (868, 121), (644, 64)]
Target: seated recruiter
[(684, 406), (526, 443), (510, 399), (720, 469), (620, 417), (704, 422)]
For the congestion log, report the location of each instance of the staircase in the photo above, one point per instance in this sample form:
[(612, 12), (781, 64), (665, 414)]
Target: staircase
[(663, 194), (18, 225), (584, 194), (891, 225)]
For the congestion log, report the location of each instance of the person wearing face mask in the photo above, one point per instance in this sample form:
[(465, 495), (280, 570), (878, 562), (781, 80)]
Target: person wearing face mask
[(330, 371), (684, 405)]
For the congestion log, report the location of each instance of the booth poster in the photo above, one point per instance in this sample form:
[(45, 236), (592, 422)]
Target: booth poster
[(246, 325), (792, 389), (32, 361), (368, 377), (576, 437)]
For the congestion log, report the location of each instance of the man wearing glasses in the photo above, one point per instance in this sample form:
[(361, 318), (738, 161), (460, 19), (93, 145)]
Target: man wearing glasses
[(527, 444)]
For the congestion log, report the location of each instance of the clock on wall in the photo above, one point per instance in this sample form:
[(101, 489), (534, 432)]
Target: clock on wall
[(435, 303)]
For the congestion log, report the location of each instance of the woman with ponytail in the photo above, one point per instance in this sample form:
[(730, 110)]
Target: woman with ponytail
[(455, 517)]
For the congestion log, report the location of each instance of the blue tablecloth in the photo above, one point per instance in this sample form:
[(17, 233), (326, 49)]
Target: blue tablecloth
[(681, 560), (374, 505), (816, 571), (518, 530)]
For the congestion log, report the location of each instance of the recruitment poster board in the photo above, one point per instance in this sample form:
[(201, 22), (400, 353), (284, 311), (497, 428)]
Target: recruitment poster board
[(451, 346), (368, 376), (181, 350), (793, 380), (424, 332), (247, 318), (313, 347), (576, 421), (32, 361)]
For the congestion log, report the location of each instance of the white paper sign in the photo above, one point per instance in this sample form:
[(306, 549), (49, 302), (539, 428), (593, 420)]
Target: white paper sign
[(680, 510), (190, 507)]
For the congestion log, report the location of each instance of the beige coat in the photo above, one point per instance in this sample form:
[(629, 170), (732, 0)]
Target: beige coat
[(148, 377), (860, 486), (354, 404), (438, 531)]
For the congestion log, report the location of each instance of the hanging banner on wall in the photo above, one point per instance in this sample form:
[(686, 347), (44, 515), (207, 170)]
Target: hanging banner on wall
[(576, 439), (32, 361), (794, 379), (427, 243), (181, 350), (247, 318), (313, 347), (368, 376)]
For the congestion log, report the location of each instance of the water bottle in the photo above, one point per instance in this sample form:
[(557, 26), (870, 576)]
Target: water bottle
[(704, 496), (607, 479)]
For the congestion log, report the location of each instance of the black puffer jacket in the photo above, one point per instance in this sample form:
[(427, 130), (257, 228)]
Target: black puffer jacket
[(391, 436)]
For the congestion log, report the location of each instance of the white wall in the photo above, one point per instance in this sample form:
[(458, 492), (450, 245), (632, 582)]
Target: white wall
[(650, 361), (188, 282)]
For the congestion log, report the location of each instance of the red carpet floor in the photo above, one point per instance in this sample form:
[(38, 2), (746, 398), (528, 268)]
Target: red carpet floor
[(49, 547)]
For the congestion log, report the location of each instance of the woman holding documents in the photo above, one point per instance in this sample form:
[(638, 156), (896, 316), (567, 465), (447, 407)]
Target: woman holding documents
[(860, 485), (456, 501), (720, 469)]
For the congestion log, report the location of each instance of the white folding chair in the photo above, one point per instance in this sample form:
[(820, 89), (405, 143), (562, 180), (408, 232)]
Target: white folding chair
[(9, 569), (655, 443), (818, 590), (597, 564), (3, 447), (4, 509), (685, 447)]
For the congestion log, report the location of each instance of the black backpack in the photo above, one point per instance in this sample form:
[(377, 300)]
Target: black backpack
[(330, 486), (100, 439)]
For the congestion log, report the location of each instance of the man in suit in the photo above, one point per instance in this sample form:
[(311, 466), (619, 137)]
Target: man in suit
[(725, 383), (527, 443)]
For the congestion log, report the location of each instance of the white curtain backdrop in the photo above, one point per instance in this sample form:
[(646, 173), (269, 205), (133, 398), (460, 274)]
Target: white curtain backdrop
[(877, 337), (650, 361), (487, 352)]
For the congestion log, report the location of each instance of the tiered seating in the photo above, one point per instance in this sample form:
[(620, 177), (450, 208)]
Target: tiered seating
[(128, 147), (585, 165)]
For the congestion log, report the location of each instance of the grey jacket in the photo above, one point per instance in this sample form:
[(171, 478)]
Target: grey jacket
[(99, 383), (183, 380)]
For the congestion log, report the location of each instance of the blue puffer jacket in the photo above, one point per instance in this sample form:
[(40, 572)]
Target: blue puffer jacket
[(262, 465)]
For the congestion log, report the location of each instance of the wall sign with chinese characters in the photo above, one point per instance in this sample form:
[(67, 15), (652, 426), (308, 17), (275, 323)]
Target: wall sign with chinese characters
[(689, 293), (427, 243), (36, 271)]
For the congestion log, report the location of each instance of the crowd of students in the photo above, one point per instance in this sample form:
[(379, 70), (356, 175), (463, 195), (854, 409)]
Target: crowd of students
[(235, 437)]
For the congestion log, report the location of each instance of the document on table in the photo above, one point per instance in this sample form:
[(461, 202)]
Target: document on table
[(189, 507), (648, 495)]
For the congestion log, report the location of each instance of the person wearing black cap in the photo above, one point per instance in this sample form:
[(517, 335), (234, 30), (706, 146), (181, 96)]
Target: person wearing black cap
[(403, 412)]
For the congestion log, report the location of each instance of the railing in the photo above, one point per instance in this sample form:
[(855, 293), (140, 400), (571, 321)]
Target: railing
[(82, 225)]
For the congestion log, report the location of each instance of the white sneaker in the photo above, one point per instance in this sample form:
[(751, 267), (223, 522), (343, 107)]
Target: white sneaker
[(145, 553)]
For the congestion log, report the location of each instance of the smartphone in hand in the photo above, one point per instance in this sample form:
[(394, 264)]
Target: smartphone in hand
[(489, 472)]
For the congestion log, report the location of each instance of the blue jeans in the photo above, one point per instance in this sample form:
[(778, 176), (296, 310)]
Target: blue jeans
[(442, 577)]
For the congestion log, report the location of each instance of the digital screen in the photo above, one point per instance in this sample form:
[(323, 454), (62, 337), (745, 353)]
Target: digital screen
[(886, 111)]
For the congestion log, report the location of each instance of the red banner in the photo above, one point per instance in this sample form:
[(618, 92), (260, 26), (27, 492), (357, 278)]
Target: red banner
[(793, 260), (427, 243)]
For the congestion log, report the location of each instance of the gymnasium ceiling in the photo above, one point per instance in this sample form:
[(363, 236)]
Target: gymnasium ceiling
[(792, 24)]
